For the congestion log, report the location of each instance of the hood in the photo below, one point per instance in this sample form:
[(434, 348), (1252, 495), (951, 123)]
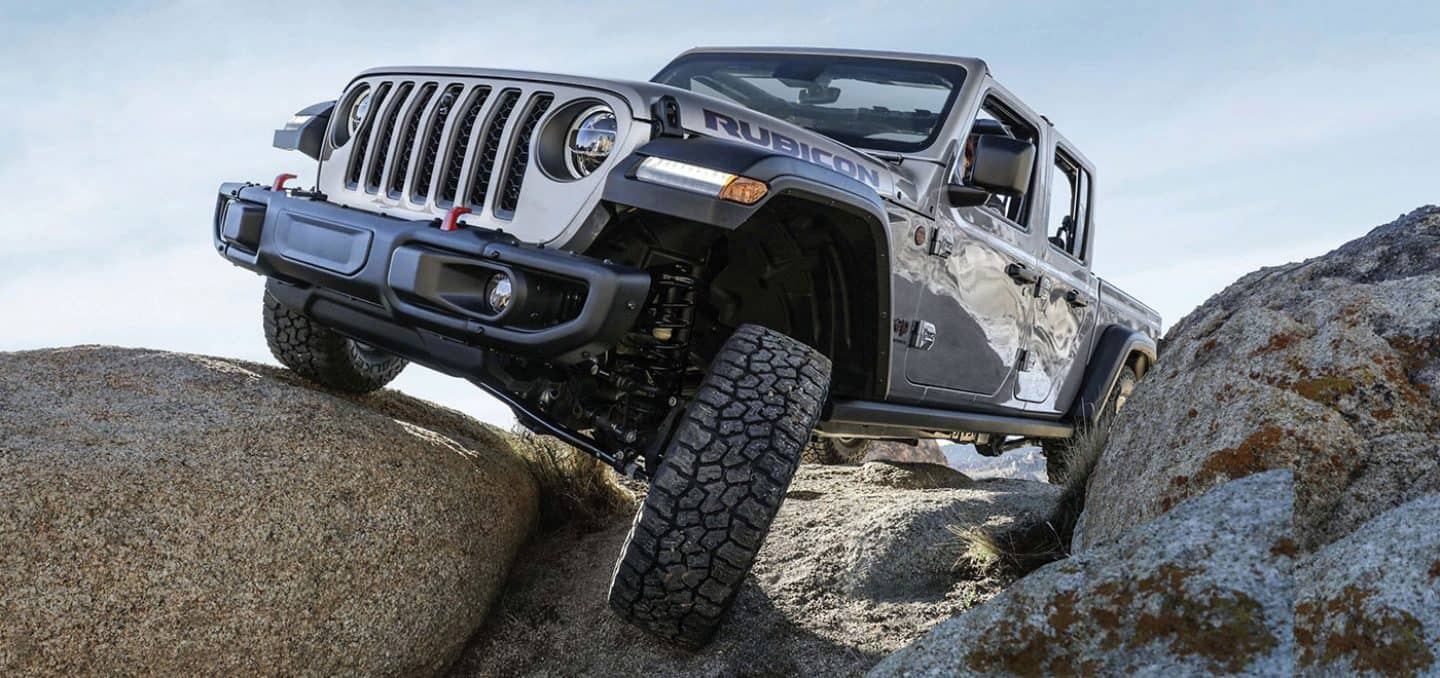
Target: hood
[(709, 116)]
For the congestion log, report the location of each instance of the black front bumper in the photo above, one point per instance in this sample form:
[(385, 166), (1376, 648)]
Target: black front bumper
[(417, 291)]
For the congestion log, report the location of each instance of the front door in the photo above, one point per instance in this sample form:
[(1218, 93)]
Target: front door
[(975, 313), (973, 319)]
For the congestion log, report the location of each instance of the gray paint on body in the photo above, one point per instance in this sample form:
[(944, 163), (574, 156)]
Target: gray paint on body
[(1000, 347)]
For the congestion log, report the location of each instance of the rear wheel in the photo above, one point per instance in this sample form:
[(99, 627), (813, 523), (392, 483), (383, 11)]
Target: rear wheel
[(1060, 452), (837, 450), (323, 355), (719, 485)]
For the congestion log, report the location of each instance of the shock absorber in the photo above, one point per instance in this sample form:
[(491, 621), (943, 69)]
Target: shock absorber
[(649, 370), (674, 313)]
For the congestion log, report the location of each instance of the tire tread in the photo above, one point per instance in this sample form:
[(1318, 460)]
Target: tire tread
[(322, 355), (723, 478)]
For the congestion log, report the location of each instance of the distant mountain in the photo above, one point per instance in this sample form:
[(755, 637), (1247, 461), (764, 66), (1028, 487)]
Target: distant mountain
[(1026, 463)]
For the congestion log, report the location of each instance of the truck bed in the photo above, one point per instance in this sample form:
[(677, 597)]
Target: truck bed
[(1118, 307)]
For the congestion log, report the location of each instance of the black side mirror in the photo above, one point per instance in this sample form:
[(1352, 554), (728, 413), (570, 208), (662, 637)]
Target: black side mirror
[(1002, 164), (961, 195)]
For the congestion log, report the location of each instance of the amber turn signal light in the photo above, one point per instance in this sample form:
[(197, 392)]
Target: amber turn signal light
[(744, 190)]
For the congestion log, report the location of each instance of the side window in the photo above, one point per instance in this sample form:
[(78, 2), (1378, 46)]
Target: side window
[(995, 118), (1069, 206)]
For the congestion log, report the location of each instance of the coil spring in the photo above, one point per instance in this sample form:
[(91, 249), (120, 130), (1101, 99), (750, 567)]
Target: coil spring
[(657, 355)]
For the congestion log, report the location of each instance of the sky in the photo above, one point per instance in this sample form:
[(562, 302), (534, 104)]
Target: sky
[(1227, 135)]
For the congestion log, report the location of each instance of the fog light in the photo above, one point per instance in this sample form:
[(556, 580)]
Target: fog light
[(498, 292)]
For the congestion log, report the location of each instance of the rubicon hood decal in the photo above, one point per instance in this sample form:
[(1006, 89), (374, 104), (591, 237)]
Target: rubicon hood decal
[(713, 117), (759, 135)]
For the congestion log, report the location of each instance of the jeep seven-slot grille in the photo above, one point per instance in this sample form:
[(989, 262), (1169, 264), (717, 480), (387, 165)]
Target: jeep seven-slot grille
[(441, 143)]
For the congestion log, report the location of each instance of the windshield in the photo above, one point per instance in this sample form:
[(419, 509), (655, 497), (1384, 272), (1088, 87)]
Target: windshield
[(881, 104)]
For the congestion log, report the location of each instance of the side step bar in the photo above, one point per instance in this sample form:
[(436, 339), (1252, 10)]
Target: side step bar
[(868, 417)]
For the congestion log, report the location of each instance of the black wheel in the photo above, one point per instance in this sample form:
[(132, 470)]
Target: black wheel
[(722, 479), (837, 450), (1059, 451), (323, 355)]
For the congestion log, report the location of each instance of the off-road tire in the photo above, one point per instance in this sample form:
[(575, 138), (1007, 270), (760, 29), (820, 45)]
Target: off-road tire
[(323, 355), (837, 450), (1059, 451), (719, 485)]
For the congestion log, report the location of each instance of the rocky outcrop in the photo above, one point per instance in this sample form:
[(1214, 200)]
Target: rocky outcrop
[(1206, 589), (181, 515), (1369, 604), (924, 451), (1330, 367), (911, 476), (853, 569)]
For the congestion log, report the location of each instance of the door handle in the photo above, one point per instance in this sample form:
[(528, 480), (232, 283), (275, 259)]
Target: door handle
[(1022, 274), (1075, 300)]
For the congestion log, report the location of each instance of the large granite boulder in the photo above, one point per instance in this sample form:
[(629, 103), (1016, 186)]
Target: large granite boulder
[(1329, 366), (1206, 589), (1369, 604), (174, 514)]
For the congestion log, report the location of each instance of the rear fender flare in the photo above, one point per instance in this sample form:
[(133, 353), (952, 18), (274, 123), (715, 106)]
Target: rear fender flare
[(1112, 353)]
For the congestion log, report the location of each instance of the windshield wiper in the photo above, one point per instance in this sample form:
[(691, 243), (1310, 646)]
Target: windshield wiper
[(887, 157)]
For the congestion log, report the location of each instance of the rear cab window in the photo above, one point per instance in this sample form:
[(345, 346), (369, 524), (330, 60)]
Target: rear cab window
[(1068, 221)]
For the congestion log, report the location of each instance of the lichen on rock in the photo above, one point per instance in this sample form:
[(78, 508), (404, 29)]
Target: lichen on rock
[(1201, 590), (1369, 603)]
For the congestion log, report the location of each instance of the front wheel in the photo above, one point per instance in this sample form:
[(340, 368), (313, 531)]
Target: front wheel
[(1063, 454), (324, 356), (719, 485)]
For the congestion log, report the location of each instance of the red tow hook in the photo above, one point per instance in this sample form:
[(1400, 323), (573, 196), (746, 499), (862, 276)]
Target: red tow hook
[(280, 181), (452, 218)]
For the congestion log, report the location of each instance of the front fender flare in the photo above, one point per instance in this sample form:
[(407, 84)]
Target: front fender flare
[(789, 179), (785, 175), (305, 132)]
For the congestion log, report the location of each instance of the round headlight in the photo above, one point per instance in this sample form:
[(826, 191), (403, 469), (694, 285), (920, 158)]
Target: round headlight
[(590, 140), (358, 109), (498, 292)]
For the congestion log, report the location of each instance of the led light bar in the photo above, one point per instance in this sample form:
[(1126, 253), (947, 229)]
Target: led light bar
[(694, 178)]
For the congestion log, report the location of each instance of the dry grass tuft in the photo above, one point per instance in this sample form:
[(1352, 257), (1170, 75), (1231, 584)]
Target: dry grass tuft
[(1022, 549), (978, 551), (576, 489), (1007, 553)]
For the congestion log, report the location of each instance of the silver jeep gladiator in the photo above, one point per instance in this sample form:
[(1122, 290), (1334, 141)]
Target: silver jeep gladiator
[(694, 278)]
